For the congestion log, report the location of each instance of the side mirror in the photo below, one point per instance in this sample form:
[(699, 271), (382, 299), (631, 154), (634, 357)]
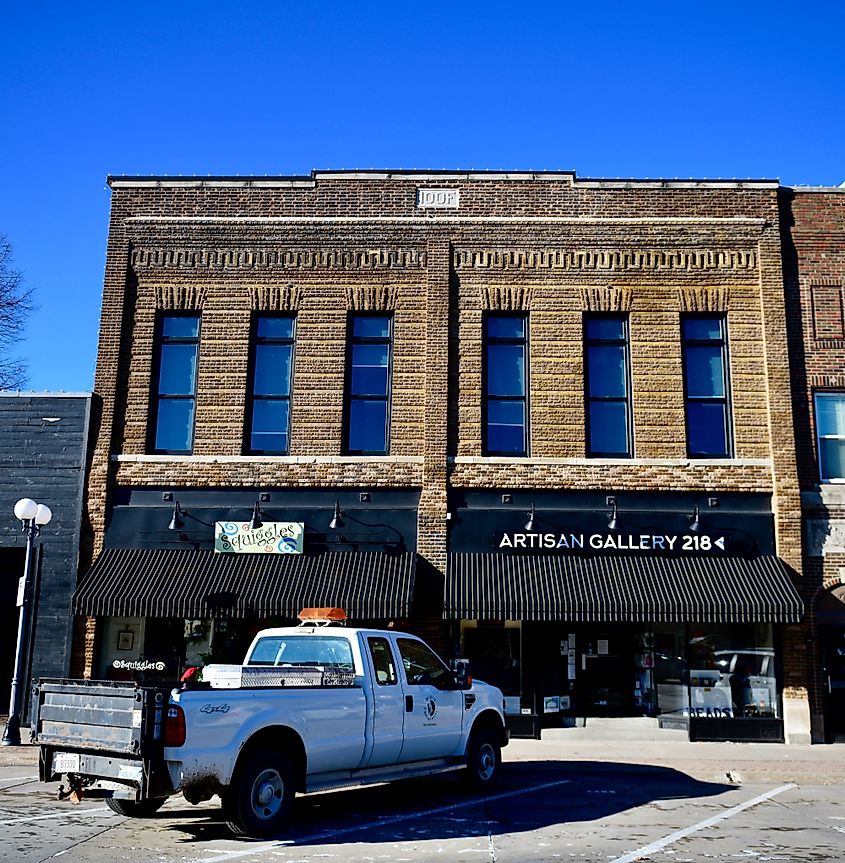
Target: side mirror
[(462, 680), (460, 672)]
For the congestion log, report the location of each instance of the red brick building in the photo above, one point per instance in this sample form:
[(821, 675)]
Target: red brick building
[(545, 421), (813, 220)]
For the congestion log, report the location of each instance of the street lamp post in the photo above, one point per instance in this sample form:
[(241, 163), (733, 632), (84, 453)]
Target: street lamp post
[(33, 517)]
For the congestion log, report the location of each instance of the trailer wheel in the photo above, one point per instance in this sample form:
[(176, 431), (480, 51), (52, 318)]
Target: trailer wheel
[(135, 808), (484, 758), (258, 803)]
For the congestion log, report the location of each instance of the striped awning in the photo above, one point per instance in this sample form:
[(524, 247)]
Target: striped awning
[(197, 584), (616, 589)]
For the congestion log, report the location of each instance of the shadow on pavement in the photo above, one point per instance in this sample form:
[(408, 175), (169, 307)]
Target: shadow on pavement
[(531, 795)]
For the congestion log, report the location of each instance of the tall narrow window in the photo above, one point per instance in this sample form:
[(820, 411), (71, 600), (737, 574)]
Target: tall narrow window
[(704, 341), (505, 385), (176, 383), (368, 384), (830, 434), (272, 362), (607, 373)]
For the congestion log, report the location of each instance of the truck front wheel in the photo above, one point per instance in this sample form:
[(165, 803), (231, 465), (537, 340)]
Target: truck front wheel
[(484, 758), (258, 803), (135, 808)]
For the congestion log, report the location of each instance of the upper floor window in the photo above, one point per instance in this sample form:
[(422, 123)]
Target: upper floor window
[(175, 390), (272, 362), (368, 384), (705, 347), (505, 385), (607, 373), (830, 434)]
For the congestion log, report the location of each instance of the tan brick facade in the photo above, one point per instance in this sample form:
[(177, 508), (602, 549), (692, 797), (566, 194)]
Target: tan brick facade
[(549, 244)]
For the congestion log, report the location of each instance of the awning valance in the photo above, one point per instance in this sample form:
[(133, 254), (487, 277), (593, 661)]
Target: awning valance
[(616, 589), (197, 584)]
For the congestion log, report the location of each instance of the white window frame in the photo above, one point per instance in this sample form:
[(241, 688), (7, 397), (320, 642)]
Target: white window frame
[(818, 397)]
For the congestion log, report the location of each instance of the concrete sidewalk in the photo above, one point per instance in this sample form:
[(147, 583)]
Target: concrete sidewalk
[(711, 762)]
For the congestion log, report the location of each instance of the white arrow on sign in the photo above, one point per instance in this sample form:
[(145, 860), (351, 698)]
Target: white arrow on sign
[(720, 542)]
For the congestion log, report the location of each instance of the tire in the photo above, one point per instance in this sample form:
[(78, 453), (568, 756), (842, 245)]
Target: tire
[(258, 803), (135, 808), (484, 759)]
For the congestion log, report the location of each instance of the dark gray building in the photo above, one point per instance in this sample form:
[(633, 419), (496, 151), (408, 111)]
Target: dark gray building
[(43, 445)]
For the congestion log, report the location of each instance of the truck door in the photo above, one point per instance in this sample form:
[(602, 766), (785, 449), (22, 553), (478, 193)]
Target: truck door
[(433, 705), (388, 703)]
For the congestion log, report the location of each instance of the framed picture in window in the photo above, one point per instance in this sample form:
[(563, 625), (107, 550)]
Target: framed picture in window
[(125, 640)]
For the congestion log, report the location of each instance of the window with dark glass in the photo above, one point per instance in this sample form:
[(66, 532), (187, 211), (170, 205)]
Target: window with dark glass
[(368, 384), (383, 661), (830, 436), (607, 374), (505, 385), (175, 383), (272, 363), (704, 342), (422, 665)]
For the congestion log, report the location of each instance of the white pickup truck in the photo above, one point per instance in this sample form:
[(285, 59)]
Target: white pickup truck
[(315, 707)]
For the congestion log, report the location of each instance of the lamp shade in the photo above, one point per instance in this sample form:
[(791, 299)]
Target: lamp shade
[(43, 515), (26, 509)]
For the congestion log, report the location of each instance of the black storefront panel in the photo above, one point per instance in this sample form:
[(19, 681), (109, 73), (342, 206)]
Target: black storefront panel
[(662, 605)]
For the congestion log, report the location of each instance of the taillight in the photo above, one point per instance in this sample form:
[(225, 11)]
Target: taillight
[(174, 726)]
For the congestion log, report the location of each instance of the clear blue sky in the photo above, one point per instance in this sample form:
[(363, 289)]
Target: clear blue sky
[(649, 89)]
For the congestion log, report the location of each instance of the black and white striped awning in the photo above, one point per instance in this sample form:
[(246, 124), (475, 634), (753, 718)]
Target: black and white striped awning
[(198, 584), (493, 586)]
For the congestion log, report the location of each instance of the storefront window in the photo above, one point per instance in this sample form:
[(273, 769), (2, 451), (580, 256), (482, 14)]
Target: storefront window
[(732, 671)]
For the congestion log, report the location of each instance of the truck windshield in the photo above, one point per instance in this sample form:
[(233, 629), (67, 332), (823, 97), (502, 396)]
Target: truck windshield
[(283, 650)]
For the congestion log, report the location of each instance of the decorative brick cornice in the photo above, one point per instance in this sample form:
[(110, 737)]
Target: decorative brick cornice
[(180, 297), (371, 298), (505, 298), (275, 298), (276, 259), (830, 381), (606, 260), (713, 299), (607, 299)]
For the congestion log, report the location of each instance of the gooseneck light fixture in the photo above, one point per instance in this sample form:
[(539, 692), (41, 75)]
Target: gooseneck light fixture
[(176, 522), (695, 524), (611, 522), (530, 526), (33, 517), (255, 522), (336, 521)]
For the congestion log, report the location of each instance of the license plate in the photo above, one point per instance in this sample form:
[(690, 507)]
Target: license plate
[(66, 762)]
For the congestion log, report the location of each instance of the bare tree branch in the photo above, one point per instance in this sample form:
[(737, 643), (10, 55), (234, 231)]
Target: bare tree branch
[(16, 303)]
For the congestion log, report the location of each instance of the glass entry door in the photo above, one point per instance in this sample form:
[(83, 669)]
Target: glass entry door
[(606, 679)]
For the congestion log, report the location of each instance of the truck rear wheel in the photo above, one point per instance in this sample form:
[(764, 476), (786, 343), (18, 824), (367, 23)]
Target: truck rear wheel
[(258, 803), (484, 758), (135, 808)]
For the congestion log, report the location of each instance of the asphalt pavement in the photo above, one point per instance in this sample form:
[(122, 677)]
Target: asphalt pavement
[(558, 800)]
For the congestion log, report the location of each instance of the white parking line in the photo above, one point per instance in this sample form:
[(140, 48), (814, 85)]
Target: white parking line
[(660, 844), (64, 814), (381, 822)]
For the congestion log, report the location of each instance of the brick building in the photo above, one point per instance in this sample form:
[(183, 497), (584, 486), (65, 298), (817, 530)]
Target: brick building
[(43, 447), (813, 221), (544, 421)]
